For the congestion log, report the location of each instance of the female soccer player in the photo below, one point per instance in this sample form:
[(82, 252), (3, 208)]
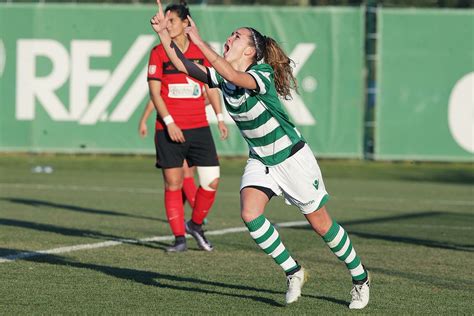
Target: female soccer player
[(253, 72), (189, 188), (182, 132)]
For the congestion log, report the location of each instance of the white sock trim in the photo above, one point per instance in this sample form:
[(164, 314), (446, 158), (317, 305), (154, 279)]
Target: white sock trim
[(261, 231), (357, 270), (344, 248), (350, 257), (289, 263), (278, 250), (333, 243), (267, 243)]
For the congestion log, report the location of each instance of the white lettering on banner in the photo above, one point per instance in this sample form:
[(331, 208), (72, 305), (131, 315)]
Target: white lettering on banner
[(461, 112), (3, 57), (132, 99), (82, 77), (296, 107), (126, 66), (31, 89)]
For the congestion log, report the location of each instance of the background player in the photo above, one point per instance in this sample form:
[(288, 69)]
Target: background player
[(182, 132)]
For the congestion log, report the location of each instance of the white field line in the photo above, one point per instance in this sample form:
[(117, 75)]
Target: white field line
[(65, 187), (110, 243)]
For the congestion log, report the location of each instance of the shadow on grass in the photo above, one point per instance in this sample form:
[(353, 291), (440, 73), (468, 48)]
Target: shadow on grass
[(161, 280), (406, 239), (39, 203), (57, 229), (452, 176), (167, 281)]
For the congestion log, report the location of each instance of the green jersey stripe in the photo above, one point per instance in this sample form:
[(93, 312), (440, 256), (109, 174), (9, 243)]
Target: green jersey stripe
[(267, 139), (273, 148), (250, 112), (268, 127), (258, 121)]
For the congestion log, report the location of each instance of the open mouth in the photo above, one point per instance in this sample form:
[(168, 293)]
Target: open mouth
[(226, 49)]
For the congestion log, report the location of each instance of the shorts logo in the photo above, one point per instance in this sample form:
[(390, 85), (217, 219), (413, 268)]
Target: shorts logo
[(316, 184), (302, 204), (152, 69)]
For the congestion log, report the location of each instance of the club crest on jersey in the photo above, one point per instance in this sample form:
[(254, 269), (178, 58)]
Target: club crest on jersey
[(152, 69)]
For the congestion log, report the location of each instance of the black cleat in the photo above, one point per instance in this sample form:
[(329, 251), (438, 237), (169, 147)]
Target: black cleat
[(198, 234), (179, 245)]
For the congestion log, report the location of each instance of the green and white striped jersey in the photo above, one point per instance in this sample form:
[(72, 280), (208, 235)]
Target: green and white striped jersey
[(259, 115)]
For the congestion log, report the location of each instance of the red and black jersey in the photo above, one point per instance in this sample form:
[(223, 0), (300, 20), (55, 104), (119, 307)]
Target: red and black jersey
[(183, 95)]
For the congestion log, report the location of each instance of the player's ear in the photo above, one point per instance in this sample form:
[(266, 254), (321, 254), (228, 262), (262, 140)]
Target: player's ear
[(249, 51), (186, 22)]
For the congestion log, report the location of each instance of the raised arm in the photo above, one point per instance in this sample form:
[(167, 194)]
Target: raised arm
[(158, 23), (225, 69)]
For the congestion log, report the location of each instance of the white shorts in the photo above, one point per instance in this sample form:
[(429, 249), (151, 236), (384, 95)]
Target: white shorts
[(298, 179)]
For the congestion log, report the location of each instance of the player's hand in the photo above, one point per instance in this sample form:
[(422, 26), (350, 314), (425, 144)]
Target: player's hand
[(192, 31), (142, 129), (175, 133), (159, 21), (223, 130)]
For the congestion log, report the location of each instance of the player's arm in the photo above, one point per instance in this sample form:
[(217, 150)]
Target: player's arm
[(159, 23), (142, 127), (174, 131), (238, 78), (215, 100)]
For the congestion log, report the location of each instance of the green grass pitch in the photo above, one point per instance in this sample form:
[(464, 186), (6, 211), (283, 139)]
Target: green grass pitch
[(412, 225)]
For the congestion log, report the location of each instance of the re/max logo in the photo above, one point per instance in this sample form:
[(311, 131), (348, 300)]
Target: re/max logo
[(74, 66)]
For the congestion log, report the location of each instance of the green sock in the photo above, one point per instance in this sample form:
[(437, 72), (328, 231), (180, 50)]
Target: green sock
[(267, 237), (340, 244)]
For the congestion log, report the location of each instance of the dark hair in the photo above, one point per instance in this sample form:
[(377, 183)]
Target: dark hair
[(267, 48), (181, 10)]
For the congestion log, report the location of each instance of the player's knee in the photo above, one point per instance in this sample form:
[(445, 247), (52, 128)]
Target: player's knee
[(173, 186), (214, 184), (248, 215), (209, 177)]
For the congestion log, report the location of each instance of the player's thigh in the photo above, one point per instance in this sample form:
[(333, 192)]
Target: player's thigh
[(301, 181), (169, 154), (202, 150)]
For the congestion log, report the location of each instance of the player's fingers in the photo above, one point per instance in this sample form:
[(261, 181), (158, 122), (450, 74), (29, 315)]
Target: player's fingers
[(160, 8), (181, 138), (191, 21)]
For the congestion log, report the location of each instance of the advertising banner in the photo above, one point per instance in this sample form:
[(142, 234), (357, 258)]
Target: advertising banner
[(73, 77)]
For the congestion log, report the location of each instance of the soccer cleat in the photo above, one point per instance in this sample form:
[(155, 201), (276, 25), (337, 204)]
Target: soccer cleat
[(198, 234), (360, 294), (178, 246), (295, 282)]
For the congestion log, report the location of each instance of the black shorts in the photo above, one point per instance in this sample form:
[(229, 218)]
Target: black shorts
[(198, 149)]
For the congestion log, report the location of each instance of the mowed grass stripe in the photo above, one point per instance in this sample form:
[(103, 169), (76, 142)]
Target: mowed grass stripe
[(110, 243), (66, 187)]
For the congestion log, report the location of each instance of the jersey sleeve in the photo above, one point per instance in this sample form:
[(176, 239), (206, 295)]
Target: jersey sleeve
[(215, 80), (155, 65), (263, 75)]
